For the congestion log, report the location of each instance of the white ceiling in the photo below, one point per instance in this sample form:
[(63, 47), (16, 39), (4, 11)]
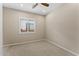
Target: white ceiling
[(40, 9)]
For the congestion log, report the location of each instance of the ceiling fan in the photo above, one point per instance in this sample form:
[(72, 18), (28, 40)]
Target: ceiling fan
[(44, 4)]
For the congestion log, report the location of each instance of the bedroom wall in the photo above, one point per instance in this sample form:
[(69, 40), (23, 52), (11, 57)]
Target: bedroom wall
[(1, 30), (78, 27), (11, 26), (61, 27)]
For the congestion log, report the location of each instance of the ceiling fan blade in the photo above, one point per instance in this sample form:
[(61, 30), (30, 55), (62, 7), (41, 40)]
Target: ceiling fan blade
[(45, 4), (35, 5)]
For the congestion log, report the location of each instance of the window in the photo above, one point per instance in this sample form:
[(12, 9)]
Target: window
[(27, 25)]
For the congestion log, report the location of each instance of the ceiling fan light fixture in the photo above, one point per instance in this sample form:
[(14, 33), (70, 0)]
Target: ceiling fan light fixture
[(44, 11), (21, 5)]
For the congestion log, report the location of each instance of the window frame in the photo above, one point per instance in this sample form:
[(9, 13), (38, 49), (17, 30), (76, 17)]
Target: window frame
[(27, 19)]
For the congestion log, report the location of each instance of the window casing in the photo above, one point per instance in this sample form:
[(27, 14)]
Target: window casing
[(27, 25)]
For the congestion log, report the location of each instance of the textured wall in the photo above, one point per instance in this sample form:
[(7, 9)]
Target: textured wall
[(11, 26), (1, 29), (61, 27)]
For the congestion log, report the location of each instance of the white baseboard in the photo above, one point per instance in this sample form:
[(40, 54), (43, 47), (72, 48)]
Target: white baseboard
[(21, 43), (75, 54), (50, 41)]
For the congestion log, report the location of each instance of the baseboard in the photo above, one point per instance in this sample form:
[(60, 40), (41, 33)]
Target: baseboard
[(75, 54), (50, 41), (21, 43)]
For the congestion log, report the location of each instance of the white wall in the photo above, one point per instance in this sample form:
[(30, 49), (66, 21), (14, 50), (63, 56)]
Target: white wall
[(61, 27), (1, 30), (78, 26), (11, 26)]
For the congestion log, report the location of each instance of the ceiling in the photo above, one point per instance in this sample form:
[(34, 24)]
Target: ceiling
[(40, 9)]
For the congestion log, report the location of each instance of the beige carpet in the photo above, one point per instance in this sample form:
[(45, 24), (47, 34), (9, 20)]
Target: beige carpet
[(41, 48)]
